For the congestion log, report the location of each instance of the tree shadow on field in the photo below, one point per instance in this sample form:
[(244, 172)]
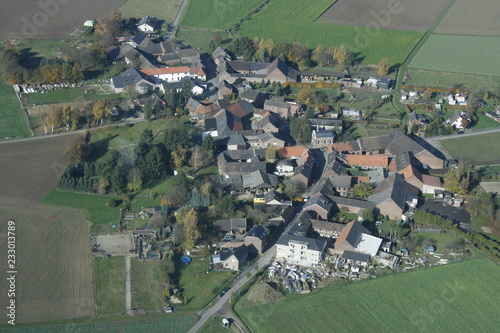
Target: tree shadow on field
[(99, 148), (30, 59)]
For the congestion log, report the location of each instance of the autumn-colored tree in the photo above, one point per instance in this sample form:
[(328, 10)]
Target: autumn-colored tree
[(457, 180), (178, 157), (271, 153), (53, 118), (134, 180), (305, 95), (383, 67), (427, 94), (77, 152), (340, 54), (362, 190), (100, 111), (66, 116), (191, 229)]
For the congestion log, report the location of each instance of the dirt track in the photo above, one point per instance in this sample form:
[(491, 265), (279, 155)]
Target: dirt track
[(50, 18)]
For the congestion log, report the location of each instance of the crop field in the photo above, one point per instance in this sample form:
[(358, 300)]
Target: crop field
[(217, 14), (174, 323), (31, 168), (404, 15), (13, 123), (50, 19), (294, 21), (476, 149), (471, 17), (460, 297), (162, 9), (459, 54), (443, 80), (53, 262)]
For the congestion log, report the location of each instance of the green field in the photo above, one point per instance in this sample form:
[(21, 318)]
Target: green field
[(459, 54), (198, 286), (461, 297), (94, 206), (162, 9), (215, 325), (216, 14), (443, 80), (477, 149), (484, 122), (66, 96), (200, 37), (13, 123), (110, 285), (171, 323), (146, 286), (294, 21)]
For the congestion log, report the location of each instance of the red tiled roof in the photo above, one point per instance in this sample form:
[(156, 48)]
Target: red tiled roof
[(340, 146), (345, 232), (368, 160), (431, 180), (197, 71)]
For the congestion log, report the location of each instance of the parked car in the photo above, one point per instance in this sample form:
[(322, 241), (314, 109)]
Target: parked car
[(223, 292)]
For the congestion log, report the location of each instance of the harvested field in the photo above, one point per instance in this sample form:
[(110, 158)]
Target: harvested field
[(115, 244), (31, 168), (53, 262), (471, 17), (459, 54), (401, 15), (51, 18)]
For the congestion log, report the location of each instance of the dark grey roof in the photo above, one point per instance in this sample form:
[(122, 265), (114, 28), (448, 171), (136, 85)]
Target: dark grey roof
[(148, 20), (355, 256), (210, 124), (406, 159), (259, 179), (246, 154), (324, 134), (394, 187), (251, 94), (219, 52), (236, 139), (230, 224), (354, 233), (258, 232), (375, 142), (324, 187), (341, 181), (129, 77), (352, 202), (117, 53), (325, 122), (192, 103), (333, 165), (277, 104), (248, 66), (402, 143), (305, 169), (302, 224), (138, 38), (312, 244), (322, 201), (170, 57), (241, 252), (229, 182)]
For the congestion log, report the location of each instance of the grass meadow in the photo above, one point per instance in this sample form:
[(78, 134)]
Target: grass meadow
[(146, 285), (459, 54), (110, 285), (216, 14), (460, 297), (66, 96), (477, 149), (294, 21), (13, 123), (162, 9)]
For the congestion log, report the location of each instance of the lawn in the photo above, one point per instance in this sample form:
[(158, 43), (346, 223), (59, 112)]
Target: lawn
[(223, 14), (200, 37), (66, 96), (146, 286), (443, 80), (171, 323), (110, 285), (48, 48), (484, 122), (477, 149), (211, 170), (460, 297), (198, 286), (446, 53), (94, 206), (294, 21), (162, 9), (13, 122)]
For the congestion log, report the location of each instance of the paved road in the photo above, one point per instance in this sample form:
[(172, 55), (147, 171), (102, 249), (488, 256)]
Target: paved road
[(135, 121), (175, 25), (128, 291), (264, 260), (458, 136)]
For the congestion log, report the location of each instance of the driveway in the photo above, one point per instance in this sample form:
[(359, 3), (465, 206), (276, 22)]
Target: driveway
[(456, 214)]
